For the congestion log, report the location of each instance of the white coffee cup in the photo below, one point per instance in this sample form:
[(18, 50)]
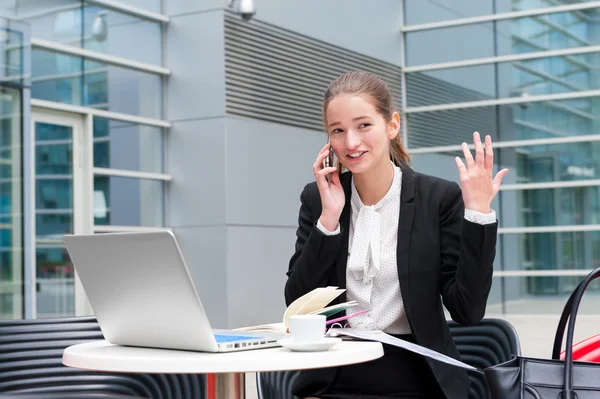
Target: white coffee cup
[(307, 328)]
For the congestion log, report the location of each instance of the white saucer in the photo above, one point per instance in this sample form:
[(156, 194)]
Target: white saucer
[(323, 344)]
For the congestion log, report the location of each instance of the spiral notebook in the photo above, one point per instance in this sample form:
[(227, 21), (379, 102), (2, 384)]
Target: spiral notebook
[(314, 302)]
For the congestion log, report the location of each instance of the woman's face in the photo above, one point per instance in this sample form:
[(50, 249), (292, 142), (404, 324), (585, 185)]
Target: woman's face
[(359, 135)]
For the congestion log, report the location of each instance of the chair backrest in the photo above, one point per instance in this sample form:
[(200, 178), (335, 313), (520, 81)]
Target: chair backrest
[(31, 363), (490, 342), (276, 384)]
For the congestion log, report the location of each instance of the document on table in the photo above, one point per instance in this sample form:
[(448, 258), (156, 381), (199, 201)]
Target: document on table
[(382, 337)]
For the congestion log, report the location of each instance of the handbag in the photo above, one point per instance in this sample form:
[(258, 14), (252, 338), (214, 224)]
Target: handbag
[(531, 378)]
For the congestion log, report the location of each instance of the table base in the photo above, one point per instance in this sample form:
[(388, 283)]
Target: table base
[(226, 386)]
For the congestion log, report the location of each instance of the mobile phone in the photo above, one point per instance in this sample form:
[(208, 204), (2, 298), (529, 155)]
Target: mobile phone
[(329, 161)]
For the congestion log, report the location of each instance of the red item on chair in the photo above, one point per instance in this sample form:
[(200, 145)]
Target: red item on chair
[(587, 350)]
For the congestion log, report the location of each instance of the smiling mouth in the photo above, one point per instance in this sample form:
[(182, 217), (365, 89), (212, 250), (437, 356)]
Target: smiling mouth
[(356, 155)]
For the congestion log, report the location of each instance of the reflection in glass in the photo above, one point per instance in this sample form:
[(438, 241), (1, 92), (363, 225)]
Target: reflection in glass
[(559, 206), (576, 250), (130, 146), (553, 162), (125, 201), (11, 213), (443, 10), (73, 80), (79, 24), (540, 76), (535, 120), (12, 47), (121, 35), (539, 295), (515, 36), (150, 5), (54, 218)]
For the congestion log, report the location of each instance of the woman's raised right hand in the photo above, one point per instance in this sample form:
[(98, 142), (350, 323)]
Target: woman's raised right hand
[(332, 194)]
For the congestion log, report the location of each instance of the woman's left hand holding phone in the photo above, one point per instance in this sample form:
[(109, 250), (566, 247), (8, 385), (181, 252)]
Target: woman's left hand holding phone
[(332, 193)]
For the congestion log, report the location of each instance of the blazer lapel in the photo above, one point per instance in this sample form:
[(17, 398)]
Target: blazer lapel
[(405, 226), (342, 259)]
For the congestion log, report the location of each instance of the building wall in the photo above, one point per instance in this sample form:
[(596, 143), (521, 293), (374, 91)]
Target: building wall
[(236, 185), (252, 165), (244, 102)]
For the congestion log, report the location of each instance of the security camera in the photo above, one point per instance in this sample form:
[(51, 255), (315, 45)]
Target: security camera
[(246, 9)]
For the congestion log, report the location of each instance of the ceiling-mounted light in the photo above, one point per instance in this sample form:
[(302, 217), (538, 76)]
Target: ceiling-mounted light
[(100, 27)]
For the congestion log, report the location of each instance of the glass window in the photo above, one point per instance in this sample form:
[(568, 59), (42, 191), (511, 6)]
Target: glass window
[(544, 119), (477, 41), (73, 80), (550, 207), (123, 145), (553, 162), (420, 12), (452, 127), (121, 35), (538, 295), (55, 275), (520, 35), (78, 24), (150, 5), (533, 4), (124, 201), (12, 64), (549, 251), (515, 79), (11, 198), (54, 218)]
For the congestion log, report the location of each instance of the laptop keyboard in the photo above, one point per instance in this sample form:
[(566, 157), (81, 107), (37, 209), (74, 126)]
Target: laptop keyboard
[(231, 338)]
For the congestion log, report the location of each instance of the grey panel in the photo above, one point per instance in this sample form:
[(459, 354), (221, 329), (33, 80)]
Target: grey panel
[(204, 251), (177, 7), (438, 164), (267, 166), (194, 51), (424, 11), (450, 127), (424, 89), (280, 76), (257, 260), (196, 161), (368, 28), (442, 45)]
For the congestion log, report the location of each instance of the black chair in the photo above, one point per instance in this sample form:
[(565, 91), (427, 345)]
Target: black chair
[(276, 384), (31, 366), (490, 342)]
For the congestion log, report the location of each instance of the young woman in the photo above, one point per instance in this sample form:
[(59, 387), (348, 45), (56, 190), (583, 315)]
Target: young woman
[(400, 242)]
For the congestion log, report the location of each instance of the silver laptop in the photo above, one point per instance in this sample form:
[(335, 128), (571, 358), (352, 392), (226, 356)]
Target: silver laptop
[(143, 295)]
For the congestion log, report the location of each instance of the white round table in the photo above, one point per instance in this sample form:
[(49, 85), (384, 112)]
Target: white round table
[(226, 378)]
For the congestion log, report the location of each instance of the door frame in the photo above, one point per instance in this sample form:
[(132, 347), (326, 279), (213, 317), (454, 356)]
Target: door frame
[(83, 186)]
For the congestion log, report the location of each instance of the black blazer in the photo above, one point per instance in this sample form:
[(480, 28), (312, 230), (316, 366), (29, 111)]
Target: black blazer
[(440, 256)]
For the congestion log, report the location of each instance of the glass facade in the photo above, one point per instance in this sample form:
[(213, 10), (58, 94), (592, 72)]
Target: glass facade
[(54, 218), (77, 81), (541, 110), (530, 82), (11, 216), (13, 77), (107, 63)]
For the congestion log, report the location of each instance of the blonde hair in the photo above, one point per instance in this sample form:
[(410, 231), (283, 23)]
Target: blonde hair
[(372, 86)]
